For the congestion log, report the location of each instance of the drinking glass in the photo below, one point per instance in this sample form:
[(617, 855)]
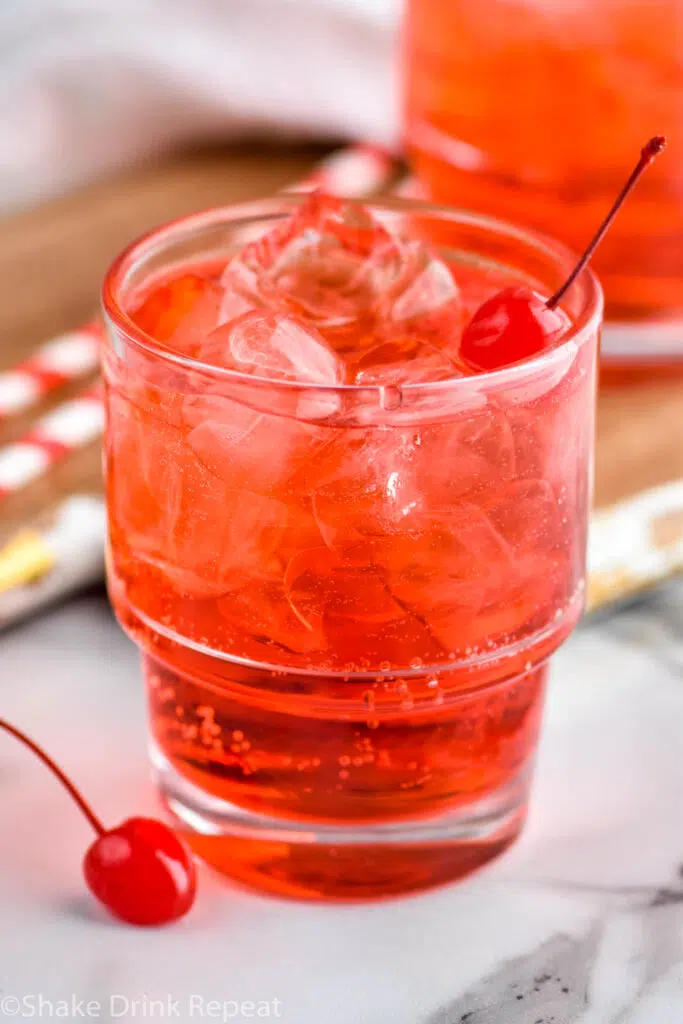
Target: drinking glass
[(535, 110), (345, 598)]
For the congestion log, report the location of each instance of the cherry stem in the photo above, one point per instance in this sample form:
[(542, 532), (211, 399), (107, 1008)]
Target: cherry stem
[(67, 783), (647, 155)]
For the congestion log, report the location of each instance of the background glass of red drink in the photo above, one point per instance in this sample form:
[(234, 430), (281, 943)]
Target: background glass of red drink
[(345, 597), (532, 110)]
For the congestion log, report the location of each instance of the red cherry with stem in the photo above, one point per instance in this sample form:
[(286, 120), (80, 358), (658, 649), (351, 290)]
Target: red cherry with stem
[(513, 324), (141, 871), (517, 322)]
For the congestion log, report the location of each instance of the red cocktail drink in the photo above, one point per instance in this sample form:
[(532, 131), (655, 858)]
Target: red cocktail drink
[(530, 111), (345, 555)]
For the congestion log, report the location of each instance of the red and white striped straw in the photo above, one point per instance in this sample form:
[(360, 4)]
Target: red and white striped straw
[(65, 358), (354, 171), (410, 188), (68, 427)]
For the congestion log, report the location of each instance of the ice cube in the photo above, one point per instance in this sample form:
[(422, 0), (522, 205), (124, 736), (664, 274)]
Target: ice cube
[(173, 512), (517, 578), (537, 525), (251, 447), (458, 575), (139, 449), (220, 540), (320, 584), (364, 489), (310, 265), (351, 611), (337, 268), (451, 557), (253, 450), (441, 563), (260, 617), (404, 360), (526, 514), (275, 346), (466, 454), (424, 301), (180, 313), (462, 547)]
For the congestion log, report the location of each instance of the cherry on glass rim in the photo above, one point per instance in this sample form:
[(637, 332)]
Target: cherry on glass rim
[(141, 870), (517, 322)]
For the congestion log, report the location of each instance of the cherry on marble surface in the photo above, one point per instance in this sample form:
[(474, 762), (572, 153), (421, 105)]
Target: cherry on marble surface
[(141, 870)]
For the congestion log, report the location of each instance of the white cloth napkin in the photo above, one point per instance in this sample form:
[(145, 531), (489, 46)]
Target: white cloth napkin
[(87, 85)]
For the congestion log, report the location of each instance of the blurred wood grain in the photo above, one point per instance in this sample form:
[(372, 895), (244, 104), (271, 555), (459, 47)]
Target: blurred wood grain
[(52, 260), (639, 438)]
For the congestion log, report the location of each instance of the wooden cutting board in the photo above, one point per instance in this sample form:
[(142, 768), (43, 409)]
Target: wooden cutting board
[(52, 260)]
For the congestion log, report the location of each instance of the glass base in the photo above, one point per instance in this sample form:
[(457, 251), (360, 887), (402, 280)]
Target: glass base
[(307, 860)]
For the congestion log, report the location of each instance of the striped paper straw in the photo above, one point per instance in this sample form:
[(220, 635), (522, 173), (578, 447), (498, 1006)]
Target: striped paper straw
[(410, 188), (355, 171), (68, 427), (61, 360)]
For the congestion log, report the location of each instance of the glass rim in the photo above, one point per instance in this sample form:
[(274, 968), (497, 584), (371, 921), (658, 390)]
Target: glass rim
[(583, 326)]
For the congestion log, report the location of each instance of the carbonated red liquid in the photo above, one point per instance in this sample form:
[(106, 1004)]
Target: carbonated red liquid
[(345, 614), (532, 110)]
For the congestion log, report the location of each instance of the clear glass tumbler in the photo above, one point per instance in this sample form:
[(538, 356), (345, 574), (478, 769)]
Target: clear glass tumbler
[(345, 598)]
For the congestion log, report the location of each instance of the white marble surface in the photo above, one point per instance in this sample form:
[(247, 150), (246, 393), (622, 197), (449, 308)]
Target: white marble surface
[(580, 923)]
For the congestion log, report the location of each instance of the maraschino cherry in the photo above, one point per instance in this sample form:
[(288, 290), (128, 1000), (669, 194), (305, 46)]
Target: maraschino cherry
[(141, 871), (517, 322)]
